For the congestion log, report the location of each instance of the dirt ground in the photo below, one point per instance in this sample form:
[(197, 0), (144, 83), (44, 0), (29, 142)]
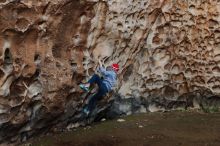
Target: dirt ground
[(151, 129)]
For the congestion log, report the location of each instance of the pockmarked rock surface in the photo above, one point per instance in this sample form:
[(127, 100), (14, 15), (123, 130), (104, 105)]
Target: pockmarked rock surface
[(169, 53)]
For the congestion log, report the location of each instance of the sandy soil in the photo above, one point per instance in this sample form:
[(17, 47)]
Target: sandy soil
[(152, 129)]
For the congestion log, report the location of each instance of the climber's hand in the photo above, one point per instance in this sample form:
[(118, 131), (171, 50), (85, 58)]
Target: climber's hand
[(100, 63)]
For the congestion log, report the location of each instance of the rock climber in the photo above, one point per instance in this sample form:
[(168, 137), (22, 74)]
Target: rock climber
[(105, 84)]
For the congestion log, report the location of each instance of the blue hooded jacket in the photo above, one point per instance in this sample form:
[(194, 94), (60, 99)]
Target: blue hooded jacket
[(110, 78)]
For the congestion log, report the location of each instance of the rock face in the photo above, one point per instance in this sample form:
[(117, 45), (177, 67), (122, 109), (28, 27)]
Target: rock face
[(169, 53)]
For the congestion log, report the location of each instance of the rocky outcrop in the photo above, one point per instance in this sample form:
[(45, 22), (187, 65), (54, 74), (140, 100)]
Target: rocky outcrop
[(168, 52)]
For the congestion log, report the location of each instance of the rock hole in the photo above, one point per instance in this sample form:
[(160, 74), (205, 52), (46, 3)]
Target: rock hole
[(167, 66), (7, 56), (212, 23), (1, 74), (16, 89), (216, 69), (115, 17), (192, 7), (91, 71), (216, 88), (120, 26), (58, 65), (36, 74), (37, 58), (74, 66), (84, 59), (157, 40), (24, 136), (56, 51), (175, 68), (115, 13), (142, 18), (128, 72)]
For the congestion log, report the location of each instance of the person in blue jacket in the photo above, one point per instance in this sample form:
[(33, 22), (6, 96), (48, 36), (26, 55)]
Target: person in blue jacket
[(105, 84)]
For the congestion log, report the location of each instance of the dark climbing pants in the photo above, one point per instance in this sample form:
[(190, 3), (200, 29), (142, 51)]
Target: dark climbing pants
[(101, 91)]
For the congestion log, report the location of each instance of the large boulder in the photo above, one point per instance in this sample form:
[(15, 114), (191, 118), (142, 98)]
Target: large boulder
[(168, 52)]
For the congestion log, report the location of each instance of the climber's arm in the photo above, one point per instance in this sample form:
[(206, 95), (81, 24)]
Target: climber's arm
[(101, 68)]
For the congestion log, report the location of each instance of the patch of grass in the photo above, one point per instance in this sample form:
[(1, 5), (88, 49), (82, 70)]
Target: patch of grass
[(212, 109), (43, 142)]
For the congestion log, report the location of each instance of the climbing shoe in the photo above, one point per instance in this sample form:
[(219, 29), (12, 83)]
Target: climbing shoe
[(83, 87), (86, 111)]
